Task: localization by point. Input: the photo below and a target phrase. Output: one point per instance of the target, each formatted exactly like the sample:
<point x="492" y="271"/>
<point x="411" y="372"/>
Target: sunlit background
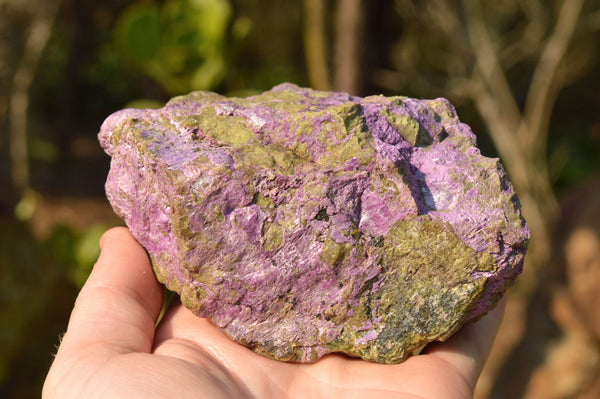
<point x="523" y="73"/>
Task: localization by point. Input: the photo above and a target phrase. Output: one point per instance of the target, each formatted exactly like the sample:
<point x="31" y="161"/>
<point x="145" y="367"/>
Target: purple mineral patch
<point x="304" y="222"/>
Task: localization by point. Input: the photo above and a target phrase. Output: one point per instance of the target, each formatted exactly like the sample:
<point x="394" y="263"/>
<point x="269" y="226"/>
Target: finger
<point x="467" y="350"/>
<point x="118" y="306"/>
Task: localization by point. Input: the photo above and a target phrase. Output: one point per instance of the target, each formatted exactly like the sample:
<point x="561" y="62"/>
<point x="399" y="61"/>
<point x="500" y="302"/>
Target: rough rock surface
<point x="304" y="222"/>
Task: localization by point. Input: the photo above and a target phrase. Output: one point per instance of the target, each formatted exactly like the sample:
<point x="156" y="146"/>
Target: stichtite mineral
<point x="304" y="222"/>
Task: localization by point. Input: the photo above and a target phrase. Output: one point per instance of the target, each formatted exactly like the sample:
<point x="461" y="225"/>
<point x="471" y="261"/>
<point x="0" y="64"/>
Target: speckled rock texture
<point x="304" y="222"/>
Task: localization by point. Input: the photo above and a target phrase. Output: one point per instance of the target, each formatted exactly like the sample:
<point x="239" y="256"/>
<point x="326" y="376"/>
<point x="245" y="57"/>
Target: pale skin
<point x="112" y="350"/>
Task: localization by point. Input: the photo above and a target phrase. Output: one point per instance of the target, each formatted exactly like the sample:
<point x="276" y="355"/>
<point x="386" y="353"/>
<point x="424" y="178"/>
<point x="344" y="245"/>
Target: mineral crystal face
<point x="304" y="222"/>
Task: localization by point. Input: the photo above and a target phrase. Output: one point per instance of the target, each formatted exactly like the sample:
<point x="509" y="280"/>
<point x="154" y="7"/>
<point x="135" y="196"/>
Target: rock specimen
<point x="304" y="222"/>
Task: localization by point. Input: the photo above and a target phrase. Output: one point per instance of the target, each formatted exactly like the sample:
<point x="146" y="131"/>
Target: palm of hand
<point x="111" y="349"/>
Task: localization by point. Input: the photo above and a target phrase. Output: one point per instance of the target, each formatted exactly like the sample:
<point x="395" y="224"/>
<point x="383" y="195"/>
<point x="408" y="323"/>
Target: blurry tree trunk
<point x="348" y="46"/>
<point x="315" y="44"/>
<point x="347" y="43"/>
<point x="37" y="38"/>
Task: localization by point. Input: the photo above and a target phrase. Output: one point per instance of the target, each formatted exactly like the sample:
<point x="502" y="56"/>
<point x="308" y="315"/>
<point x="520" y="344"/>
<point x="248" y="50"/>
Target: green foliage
<point x="35" y="302"/>
<point x="27" y="278"/>
<point x="76" y="252"/>
<point x="137" y="33"/>
<point x="26" y="206"/>
<point x="87" y="251"/>
<point x="180" y="44"/>
<point x="573" y="158"/>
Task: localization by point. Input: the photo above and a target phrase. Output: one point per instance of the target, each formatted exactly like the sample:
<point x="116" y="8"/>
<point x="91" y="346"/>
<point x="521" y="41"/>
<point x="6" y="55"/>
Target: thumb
<point x="118" y="306"/>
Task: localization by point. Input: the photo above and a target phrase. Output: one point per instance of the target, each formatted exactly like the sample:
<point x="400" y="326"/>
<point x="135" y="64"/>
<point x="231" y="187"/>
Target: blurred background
<point x="523" y="73"/>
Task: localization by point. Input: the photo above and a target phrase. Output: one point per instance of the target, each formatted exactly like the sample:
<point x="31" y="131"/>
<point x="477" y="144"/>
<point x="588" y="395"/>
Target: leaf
<point x="137" y="32"/>
<point x="178" y="43"/>
<point x="87" y="252"/>
<point x="208" y="74"/>
<point x="213" y="18"/>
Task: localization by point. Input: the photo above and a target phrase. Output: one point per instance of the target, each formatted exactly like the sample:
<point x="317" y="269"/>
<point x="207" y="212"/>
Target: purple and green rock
<point x="303" y="222"/>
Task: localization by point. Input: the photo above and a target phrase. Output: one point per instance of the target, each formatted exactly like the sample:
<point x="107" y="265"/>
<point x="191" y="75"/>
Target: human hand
<point x="112" y="350"/>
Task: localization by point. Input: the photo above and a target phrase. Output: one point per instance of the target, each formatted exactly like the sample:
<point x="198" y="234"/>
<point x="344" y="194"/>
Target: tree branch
<point x="490" y="70"/>
<point x="545" y="86"/>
